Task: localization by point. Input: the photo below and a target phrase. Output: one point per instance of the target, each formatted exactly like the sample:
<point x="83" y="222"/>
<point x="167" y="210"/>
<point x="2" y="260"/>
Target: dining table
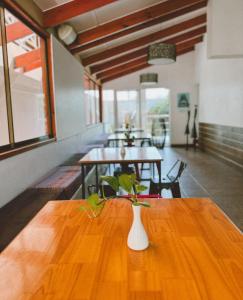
<point x="113" y="155"/>
<point x="137" y="136"/>
<point x="123" y="129"/>
<point x="195" y="252"/>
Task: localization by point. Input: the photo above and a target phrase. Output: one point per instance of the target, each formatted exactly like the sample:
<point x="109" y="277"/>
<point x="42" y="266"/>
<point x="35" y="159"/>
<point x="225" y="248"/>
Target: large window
<point x="109" y="110"/>
<point x="92" y="101"/>
<point x="120" y="107"/>
<point x="155" y="109"/>
<point x="24" y="96"/>
<point x="127" y="107"/>
<point x="146" y="108"/>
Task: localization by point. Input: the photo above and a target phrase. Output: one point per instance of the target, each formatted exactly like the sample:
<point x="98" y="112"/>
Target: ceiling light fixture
<point x="161" y="54"/>
<point x="149" y="79"/>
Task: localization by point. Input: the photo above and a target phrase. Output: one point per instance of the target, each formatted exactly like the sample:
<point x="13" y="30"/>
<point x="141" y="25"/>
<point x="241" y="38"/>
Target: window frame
<point x="13" y="147"/>
<point x="98" y="88"/>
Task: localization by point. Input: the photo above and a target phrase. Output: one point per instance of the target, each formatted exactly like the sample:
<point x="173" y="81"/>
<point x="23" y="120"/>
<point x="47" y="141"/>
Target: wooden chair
<point x="172" y="183"/>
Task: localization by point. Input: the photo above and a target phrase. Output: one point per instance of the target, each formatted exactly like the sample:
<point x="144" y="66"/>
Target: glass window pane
<point x="155" y="107"/>
<point x="28" y="80"/>
<point x="128" y="107"/>
<point x="4" y="137"/>
<point x="97" y="103"/>
<point x="108" y="110"/>
<point x="91" y="100"/>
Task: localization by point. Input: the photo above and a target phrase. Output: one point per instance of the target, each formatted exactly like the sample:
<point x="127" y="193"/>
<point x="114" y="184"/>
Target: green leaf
<point x="112" y="181"/>
<point x="93" y="200"/>
<point x="140" y="188"/>
<point x="133" y="178"/>
<point x="126" y="182"/>
<point x="146" y="204"/>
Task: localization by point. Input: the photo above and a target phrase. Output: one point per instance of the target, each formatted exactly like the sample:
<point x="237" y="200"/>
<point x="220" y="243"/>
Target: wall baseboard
<point x="180" y="145"/>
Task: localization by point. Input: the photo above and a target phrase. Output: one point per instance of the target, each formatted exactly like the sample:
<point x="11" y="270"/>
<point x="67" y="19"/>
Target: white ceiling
<point x="113" y="11"/>
<point x="142" y="33"/>
<point x="47" y="4"/>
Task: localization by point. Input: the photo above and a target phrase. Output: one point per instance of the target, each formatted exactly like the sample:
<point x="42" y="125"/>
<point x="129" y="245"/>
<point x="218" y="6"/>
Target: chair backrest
<point x="108" y="191"/>
<point x="181" y="168"/>
<point x="156" y="188"/>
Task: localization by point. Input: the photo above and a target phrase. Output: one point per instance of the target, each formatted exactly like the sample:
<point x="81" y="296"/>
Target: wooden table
<point x="196" y="253"/>
<point x="134" y="155"/>
<point x="139" y="136"/>
<point x="122" y="130"/>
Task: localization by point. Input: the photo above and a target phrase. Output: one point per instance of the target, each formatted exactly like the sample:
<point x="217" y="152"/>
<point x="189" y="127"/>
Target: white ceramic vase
<point x="137" y="237"/>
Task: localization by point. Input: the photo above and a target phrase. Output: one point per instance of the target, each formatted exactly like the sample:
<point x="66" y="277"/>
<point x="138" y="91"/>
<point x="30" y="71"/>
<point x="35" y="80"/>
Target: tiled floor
<point x="207" y="176"/>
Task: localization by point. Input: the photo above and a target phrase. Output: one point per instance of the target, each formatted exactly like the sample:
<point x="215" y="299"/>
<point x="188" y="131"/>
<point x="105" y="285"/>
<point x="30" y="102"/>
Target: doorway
<point x="155" y="113"/>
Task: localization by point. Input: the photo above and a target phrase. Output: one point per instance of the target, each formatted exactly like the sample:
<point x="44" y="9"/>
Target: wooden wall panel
<point x="224" y="142"/>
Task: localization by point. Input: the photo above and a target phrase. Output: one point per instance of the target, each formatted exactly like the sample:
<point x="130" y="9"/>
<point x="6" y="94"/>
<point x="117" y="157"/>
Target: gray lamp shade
<point x="149" y="78"/>
<point x="161" y="54"/>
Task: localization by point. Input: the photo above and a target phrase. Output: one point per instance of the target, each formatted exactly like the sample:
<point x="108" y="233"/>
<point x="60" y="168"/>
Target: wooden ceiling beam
<point x="62" y="13"/>
<point x="142" y="60"/>
<point x="32" y="66"/>
<point x="76" y="47"/>
<point x="138" y="68"/>
<point x="127" y="66"/>
<point x="143" y="51"/>
<point x="27" y="58"/>
<point x="17" y="31"/>
<point x="148" y="39"/>
<point x="135" y="18"/>
<point x="126" y="72"/>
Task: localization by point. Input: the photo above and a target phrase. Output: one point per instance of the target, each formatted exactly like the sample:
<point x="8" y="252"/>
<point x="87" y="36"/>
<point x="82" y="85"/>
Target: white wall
<point x="19" y="172"/>
<point x="221" y="88"/>
<point x="178" y="78"/>
<point x="225" y="23"/>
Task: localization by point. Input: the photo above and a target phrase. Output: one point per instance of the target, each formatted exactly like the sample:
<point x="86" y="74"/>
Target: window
<point x="24" y="99"/>
<point x="155" y="107"/>
<point x="109" y="110"/>
<point x="128" y="107"/>
<point x="4" y="137"/>
<point x="92" y="101"/>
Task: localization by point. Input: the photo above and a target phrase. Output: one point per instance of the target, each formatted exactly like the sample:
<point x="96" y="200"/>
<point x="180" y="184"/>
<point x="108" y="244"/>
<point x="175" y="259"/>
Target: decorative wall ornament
<point x="194" y="134"/>
<point x="183" y="101"/>
<point x="149" y="79"/>
<point x="187" y="130"/>
<point x="161" y="54"/>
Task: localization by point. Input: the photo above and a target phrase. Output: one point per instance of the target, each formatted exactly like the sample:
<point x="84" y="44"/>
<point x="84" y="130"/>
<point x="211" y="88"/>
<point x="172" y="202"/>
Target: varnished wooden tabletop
<point x="136" y="136"/>
<point x="195" y="253"/>
<point x="113" y="155"/>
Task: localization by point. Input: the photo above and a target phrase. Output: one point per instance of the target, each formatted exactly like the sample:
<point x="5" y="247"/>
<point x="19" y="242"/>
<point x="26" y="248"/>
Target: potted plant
<point x="137" y="237"/>
<point x="129" y="139"/>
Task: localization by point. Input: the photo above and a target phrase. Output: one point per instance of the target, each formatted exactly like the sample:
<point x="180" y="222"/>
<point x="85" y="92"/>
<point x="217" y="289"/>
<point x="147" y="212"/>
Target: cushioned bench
<point x="65" y="181"/>
<point x="59" y="185"/>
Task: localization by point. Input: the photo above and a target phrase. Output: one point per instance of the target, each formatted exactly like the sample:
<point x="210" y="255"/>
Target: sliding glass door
<point x="146" y="108"/>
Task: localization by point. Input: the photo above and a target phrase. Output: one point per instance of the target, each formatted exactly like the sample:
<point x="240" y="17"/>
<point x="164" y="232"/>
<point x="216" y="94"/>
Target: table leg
<point x="158" y="164"/>
<point x="97" y="178"/>
<point x="83" y="181"/>
<point x="137" y="171"/>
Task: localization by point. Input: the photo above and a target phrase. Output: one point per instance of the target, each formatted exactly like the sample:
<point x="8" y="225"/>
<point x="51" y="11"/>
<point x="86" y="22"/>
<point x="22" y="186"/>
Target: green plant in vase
<point x="137" y="237"/>
<point x="129" y="139"/>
